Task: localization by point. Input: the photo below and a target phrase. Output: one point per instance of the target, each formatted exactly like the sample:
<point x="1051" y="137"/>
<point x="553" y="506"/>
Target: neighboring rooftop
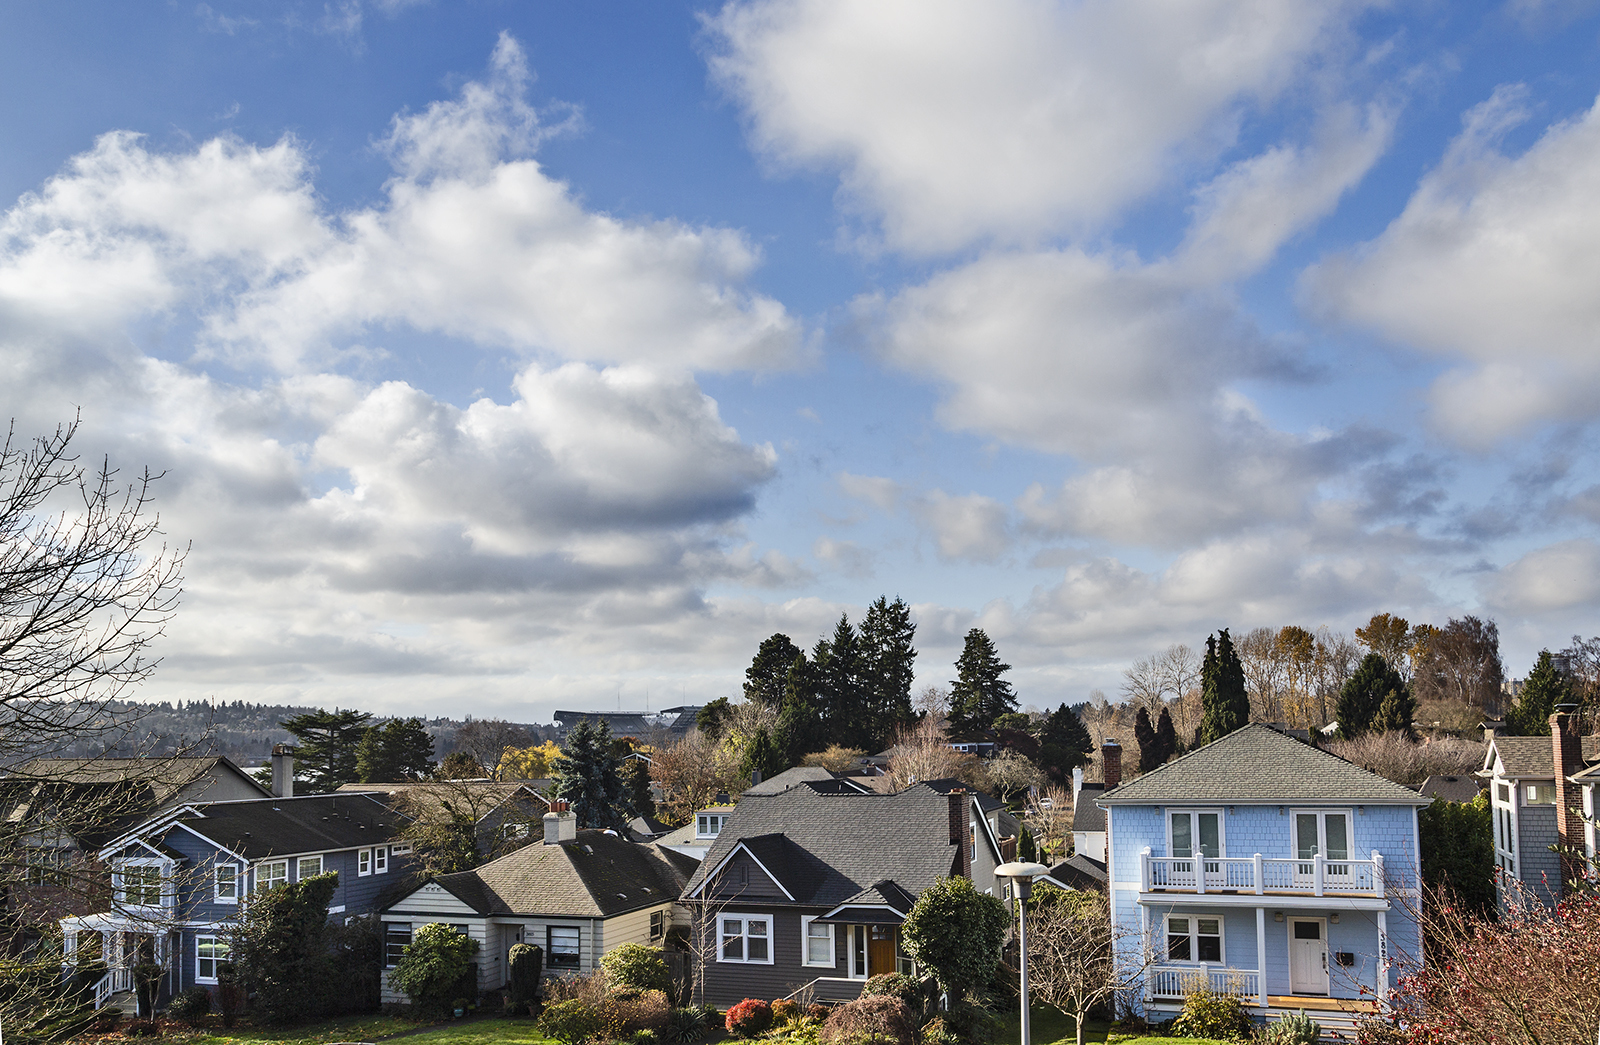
<point x="1525" y="757"/>
<point x="1086" y="815"/>
<point x="430" y="796"/>
<point x="596" y="875"/>
<point x="1257" y="763"/>
<point x="164" y="777"/>
<point x="287" y="826"/>
<point x="1450" y="788"/>
<point x="1080" y="872"/>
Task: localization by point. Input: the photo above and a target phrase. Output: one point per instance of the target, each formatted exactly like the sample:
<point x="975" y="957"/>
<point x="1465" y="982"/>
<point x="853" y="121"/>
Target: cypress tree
<point x="1544" y="688"/>
<point x="1223" y="696"/>
<point x="1166" y="738"/>
<point x="1064" y="744"/>
<point x="1144" y="734"/>
<point x="589" y="775"/>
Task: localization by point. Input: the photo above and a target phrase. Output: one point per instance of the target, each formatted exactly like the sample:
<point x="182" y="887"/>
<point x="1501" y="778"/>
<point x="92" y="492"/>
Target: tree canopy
<point x="957" y="932"/>
<point x="589" y="775"/>
<point x="398" y="750"/>
<point x="1375" y="698"/>
<point x="1224" y="701"/>
<point x="1544" y="688"/>
<point x="328" y="743"/>
<point x="979" y="694"/>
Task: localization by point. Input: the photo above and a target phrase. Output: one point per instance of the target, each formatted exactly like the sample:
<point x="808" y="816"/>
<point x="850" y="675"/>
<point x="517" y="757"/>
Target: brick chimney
<point x="1567" y="747"/>
<point x="1111" y="763"/>
<point x="961" y="830"/>
<point x="560" y="825"/>
<point x="283" y="770"/>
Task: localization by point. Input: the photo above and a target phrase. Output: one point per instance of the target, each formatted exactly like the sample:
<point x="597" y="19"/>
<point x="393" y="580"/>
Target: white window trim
<point x="744" y="934"/>
<point x="163" y="869"/>
<point x="387" y="926"/>
<point x="1194" y="937"/>
<point x="380" y="860"/>
<point x="703" y="820"/>
<point x="363" y="863"/>
<point x="400" y="848"/>
<point x="1321" y="813"/>
<point x="805" y="944"/>
<point x="216" y="882"/>
<point x="1222" y="830"/>
<point x="264" y="864"/>
<point x="549" y="940"/>
<point x="198" y="940"/>
<point x="300" y="876"/>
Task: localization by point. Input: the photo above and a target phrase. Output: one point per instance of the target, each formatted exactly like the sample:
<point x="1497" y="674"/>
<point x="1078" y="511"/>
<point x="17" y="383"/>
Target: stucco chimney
<point x="961" y="830"/>
<point x="1111" y="762"/>
<point x="1567" y="748"/>
<point x="283" y="770"/>
<point x="560" y="825"/>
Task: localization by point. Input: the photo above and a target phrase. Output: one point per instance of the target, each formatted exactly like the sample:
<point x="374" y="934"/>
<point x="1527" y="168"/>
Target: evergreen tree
<point x="1144" y="734"/>
<point x="800" y="729"/>
<point x="763" y="756"/>
<point x="768" y="673"/>
<point x="978" y="695"/>
<point x="374" y="763"/>
<point x="1394" y="715"/>
<point x="1166" y="738"/>
<point x="1027" y="849"/>
<point x="1225" y="703"/>
<point x="841" y="691"/>
<point x="1544" y="688"/>
<point x="327" y="742"/>
<point x="888" y="658"/>
<point x="399" y="750"/>
<point x="713" y="717"/>
<point x="636" y="784"/>
<point x="1362" y="699"/>
<point x="589" y="775"/>
<point x="1064" y="744"/>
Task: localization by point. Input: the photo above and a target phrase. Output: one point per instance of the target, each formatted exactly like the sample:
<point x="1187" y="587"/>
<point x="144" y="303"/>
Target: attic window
<point x="709" y="825"/>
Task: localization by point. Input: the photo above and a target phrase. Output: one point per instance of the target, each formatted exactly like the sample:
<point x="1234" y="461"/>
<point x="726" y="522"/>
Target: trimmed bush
<point x="818" y="1011"/>
<point x="192" y="1006"/>
<point x="785" y="1010"/>
<point x="527" y="968"/>
<point x="749" y="1018"/>
<point x="871" y="1020"/>
<point x="571" y="1021"/>
<point x="1208" y="1014"/>
<point x="637" y="967"/>
<point x="1298" y="1029"/>
<point x="895" y="985"/>
<point x="432" y="967"/>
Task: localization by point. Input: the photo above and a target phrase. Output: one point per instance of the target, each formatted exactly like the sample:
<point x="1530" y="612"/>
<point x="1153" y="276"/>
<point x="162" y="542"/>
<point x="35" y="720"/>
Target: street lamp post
<point x="1023" y="874"/>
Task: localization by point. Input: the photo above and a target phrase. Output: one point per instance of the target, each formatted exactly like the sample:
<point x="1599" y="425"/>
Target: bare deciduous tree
<point x="486" y="740"/>
<point x="1078" y="958"/>
<point x="691" y="773"/>
<point x="921" y="752"/>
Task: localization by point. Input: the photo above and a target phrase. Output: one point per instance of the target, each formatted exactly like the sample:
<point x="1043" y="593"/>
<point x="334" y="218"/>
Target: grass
<point x="494" y="1031"/>
<point x="1053" y="1027"/>
<point x="366" y="1027"/>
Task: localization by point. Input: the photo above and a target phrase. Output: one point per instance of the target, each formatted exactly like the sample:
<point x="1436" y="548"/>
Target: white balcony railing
<point x="1318" y="876"/>
<point x="1176" y="981"/>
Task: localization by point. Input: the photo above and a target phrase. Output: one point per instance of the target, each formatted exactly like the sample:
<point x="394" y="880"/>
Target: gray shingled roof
<point x="1534" y="757"/>
<point x="1086" y="815"/>
<point x="1450" y="788"/>
<point x="833" y="847"/>
<point x="317" y="823"/>
<point x="1259" y="764"/>
<point x="790" y="778"/>
<point x="1080" y="872"/>
<point x="594" y="876"/>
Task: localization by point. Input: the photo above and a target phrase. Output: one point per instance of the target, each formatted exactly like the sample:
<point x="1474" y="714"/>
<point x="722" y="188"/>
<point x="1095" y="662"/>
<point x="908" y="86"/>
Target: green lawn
<point x="496" y="1031"/>
<point x="1051" y="1027"/>
<point x="368" y="1027"/>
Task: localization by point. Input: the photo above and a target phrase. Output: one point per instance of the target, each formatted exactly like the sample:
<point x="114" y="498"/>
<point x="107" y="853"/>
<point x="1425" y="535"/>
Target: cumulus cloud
<point x="1010" y="120"/>
<point x="1492" y="265"/>
<point x="1558" y="577"/>
<point x="877" y="490"/>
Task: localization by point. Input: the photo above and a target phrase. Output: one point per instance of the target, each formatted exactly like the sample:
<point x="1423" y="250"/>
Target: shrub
<point x="785" y="1010"/>
<point x="818" y="1011"/>
<point x="871" y="1019"/>
<point x="142" y="1029"/>
<point x="638" y="967"/>
<point x="1299" y="1029"/>
<point x="957" y="932"/>
<point x="192" y="1006"/>
<point x="231" y="995"/>
<point x="895" y="985"/>
<point x="527" y="968"/>
<point x="647" y="1010"/>
<point x="571" y="1021"/>
<point x="431" y="968"/>
<point x="1208" y="1014"/>
<point x="934" y="1032"/>
<point x="690" y="1024"/>
<point x="749" y="1018"/>
<point x="643" y="1037"/>
<point x="970" y="1022"/>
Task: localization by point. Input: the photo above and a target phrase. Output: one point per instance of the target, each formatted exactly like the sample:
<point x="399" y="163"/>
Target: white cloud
<point x="1559" y="577"/>
<point x="848" y="557"/>
<point x="877" y="490"/>
<point x="970" y="526"/>
<point x="1015" y="119"/>
<point x="1493" y="264"/>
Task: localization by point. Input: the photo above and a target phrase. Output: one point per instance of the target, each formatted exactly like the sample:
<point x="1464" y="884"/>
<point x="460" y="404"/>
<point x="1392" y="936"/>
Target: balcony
<point x="1260" y="876"/>
<point x="1176" y="981"/>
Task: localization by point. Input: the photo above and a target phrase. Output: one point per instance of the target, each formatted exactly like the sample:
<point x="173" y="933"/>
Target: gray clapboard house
<point x="1523" y="774"/>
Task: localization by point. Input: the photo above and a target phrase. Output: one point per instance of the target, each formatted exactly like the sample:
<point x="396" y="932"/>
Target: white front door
<point x="1308" y="956"/>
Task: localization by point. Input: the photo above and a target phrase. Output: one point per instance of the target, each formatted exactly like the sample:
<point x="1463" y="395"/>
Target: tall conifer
<point x="1223" y="697"/>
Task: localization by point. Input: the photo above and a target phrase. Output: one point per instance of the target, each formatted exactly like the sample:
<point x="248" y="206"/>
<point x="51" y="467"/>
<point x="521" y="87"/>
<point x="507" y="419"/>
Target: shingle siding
<point x="1538" y="865"/>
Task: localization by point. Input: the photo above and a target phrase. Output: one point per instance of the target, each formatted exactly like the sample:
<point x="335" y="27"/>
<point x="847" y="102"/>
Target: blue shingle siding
<point x="1538" y="866"/>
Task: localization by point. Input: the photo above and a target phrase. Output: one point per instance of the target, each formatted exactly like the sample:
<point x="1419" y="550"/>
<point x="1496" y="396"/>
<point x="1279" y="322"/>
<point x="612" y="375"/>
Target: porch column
<point x="69" y="950"/>
<point x="1383" y="960"/>
<point x="1261" y="955"/>
<point x="1145" y="951"/>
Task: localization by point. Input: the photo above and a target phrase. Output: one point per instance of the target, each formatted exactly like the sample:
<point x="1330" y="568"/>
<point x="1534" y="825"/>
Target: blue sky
<point x="511" y="356"/>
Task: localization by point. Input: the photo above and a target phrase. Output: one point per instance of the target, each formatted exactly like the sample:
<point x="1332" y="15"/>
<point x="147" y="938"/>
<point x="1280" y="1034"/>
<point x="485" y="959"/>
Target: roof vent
<point x="588" y="849"/>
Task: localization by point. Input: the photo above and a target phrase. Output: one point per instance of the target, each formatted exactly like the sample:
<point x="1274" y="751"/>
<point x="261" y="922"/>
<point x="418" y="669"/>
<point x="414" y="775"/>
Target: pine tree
<point x="800" y="729"/>
<point x="636" y="783"/>
<point x="1225" y="702"/>
<point x="327" y="742"/>
<point x="1144" y="735"/>
<point x="888" y="659"/>
<point x="1166" y="738"/>
<point x="712" y="718"/>
<point x="1361" y="707"/>
<point x="762" y="756"/>
<point x="841" y="691"/>
<point x="589" y="775"/>
<point x="1064" y="744"/>
<point x="1544" y="688"/>
<point x="978" y="695"/>
<point x="767" y="674"/>
<point x="399" y="750"/>
<point x="374" y="763"/>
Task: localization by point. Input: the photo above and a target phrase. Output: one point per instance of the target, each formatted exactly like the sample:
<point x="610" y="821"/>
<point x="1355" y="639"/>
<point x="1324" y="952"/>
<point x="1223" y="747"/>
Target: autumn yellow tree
<point x="534" y="762"/>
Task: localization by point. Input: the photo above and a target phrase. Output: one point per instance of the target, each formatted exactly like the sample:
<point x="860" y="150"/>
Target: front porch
<point x="122" y="945"/>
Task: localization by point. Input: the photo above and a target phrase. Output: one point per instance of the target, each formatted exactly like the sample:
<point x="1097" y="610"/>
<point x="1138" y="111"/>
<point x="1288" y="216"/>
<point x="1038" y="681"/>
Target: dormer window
<point x="709" y="825"/>
<point x="139" y="884"/>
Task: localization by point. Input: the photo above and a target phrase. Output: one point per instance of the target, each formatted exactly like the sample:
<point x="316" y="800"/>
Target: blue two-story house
<point x="1266" y="868"/>
<point x="179" y="880"/>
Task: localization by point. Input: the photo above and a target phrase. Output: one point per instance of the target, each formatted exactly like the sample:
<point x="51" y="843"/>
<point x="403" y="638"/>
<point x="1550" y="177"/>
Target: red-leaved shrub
<point x="749" y="1018"/>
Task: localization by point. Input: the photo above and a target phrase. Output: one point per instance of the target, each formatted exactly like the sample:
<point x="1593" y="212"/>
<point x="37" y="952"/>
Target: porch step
<point x="124" y="1001"/>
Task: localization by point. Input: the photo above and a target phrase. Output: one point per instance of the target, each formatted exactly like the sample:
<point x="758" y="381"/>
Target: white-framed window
<point x="817" y="939"/>
<point x="1195" y="832"/>
<point x="1194" y="938"/>
<point x="564" y="947"/>
<point x="138" y="883"/>
<point x="1324" y="831"/>
<point x="396" y="938"/>
<point x="307" y="867"/>
<point x="270" y="873"/>
<point x="1540" y="795"/>
<point x="709" y="825"/>
<point x="47" y="866"/>
<point x="364" y="862"/>
<point x="209" y="952"/>
<point x="401" y="849"/>
<point x="227" y="883"/>
<point x="658" y="924"/>
<point x="380" y="860"/>
<point x="746" y="938"/>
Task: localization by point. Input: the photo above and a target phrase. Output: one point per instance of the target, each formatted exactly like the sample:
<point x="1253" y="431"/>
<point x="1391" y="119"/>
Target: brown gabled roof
<point x="596" y="875"/>
<point x="1525" y="757"/>
<point x="422" y="798"/>
<point x="164" y="777"/>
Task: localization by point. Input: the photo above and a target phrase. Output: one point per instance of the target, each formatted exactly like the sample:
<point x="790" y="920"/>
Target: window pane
<point x="227" y="882"/>
<point x="565" y="944"/>
<point x="1178" y="925"/>
<point x="1209" y="835"/>
<point x="309" y="865"/>
<point x="396" y="939"/>
<point x="758" y="928"/>
<point x="1209" y="927"/>
<point x="1335" y="828"/>
<point x="1305" y="835"/>
<point x="819" y="937"/>
<point x="1182" y="841"/>
<point x="1210" y="948"/>
<point x="733" y="948"/>
<point x="1308" y="930"/>
<point x="758" y="946"/>
<point x="1178" y="947"/>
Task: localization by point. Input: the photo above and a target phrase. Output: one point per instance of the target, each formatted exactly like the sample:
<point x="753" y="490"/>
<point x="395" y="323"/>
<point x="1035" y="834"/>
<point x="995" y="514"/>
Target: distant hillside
<point x="243" y="732"/>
